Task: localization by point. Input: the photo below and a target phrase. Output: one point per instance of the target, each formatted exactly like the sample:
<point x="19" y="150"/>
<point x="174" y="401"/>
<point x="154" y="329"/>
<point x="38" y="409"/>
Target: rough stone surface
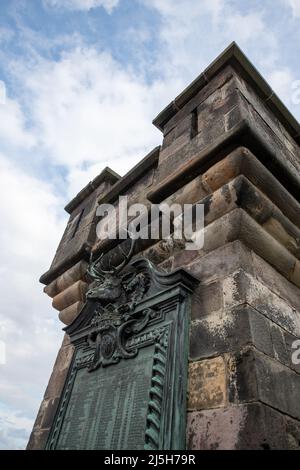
<point x="46" y="413"/>
<point x="207" y="300"/>
<point x="243" y="288"/>
<point x="242" y="427"/>
<point x="71" y="295"/>
<point x="257" y="377"/>
<point x="217" y="334"/>
<point x="68" y="315"/>
<point x="207" y="384"/>
<point x="75" y="273"/>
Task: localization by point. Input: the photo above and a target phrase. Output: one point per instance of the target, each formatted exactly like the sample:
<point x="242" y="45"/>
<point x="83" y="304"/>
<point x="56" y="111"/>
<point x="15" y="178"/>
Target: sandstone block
<point x="260" y="378"/>
<point x="74" y="293"/>
<point x="68" y="315"/>
<point x="217" y="334"/>
<point x="252" y="426"/>
<point x="241" y="287"/>
<point x="207" y="384"/>
<point x="69" y="277"/>
<point x="207" y="299"/>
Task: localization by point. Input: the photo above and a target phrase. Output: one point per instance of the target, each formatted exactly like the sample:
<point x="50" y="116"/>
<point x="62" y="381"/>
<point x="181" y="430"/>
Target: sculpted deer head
<point x="108" y="283"/>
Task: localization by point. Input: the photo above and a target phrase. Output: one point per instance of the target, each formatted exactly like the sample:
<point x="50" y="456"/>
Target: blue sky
<point x="81" y="81"/>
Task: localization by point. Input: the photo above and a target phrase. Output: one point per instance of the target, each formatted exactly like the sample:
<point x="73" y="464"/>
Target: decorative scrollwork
<point x="115" y="296"/>
<point x="111" y="333"/>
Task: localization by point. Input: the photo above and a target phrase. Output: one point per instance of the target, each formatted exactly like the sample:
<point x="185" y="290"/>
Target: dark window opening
<point x="77" y="222"/>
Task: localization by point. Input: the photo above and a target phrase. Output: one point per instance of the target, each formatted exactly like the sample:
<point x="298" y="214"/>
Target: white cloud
<point x="85" y="110"/>
<point x="30" y="231"/>
<point x="108" y="5"/>
<point x="88" y="112"/>
<point x="281" y="80"/>
<point x="13" y="126"/>
<point x="14" y="429"/>
<point x="2" y="93"/>
<point x="193" y="33"/>
<point x="246" y="26"/>
<point x="30" y="206"/>
<point x="295" y="5"/>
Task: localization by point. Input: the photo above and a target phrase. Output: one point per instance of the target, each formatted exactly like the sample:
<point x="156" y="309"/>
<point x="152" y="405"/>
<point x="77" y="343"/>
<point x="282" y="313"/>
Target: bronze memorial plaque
<point x="108" y="408"/>
<point x="126" y="387"/>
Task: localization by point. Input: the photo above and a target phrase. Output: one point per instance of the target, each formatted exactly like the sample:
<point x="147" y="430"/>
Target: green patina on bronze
<point x="126" y="388"/>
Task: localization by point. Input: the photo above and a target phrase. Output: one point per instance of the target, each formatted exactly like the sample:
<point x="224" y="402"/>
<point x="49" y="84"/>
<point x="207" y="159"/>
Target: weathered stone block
<point x="51" y="398"/>
<point x="49" y="412"/>
<point x="207" y="384"/>
<point x="215" y="429"/>
<point x="190" y="193"/>
<point x="260" y="378"/>
<point x="265" y="245"/>
<point x="68" y="315"/>
<point x="242" y="161"/>
<point x="71" y="295"/>
<point x="185" y="257"/>
<point x="295" y="275"/>
<point x="285" y="233"/>
<point x="220" y="262"/>
<point x="292" y="432"/>
<point x="241" y="193"/>
<point x="264" y="116"/>
<point x="230" y="331"/>
<point x="207" y="299"/>
<point x="243" y="288"/>
<point x="280" y="352"/>
<point x="38" y="439"/>
<point x="212" y="123"/>
<point x="75" y="273"/>
<point x="274" y="280"/>
<point x="59" y="372"/>
<point x="237" y="224"/>
<point x="251" y="426"/>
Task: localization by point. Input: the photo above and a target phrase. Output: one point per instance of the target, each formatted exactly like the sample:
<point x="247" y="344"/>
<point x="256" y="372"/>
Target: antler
<point x="93" y="270"/>
<point x="97" y="272"/>
<point x="127" y="257"/>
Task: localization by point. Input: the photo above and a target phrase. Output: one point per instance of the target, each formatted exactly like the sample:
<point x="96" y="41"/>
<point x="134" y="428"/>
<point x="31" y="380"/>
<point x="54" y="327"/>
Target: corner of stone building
<point x="228" y="147"/>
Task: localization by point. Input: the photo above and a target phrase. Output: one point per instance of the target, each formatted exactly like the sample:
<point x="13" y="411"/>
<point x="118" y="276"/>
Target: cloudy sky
<point x="81" y="81"/>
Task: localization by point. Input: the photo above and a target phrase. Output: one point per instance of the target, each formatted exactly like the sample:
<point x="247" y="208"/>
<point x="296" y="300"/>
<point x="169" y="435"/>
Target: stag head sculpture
<point x="107" y="286"/>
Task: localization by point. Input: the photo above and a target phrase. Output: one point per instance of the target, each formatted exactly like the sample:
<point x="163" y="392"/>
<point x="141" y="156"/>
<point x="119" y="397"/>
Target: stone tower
<point x="230" y="144"/>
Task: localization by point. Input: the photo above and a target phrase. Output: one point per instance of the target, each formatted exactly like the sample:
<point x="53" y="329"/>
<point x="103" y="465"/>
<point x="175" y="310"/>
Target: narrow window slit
<point x="77" y="222"/>
<point x="194" y="123"/>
